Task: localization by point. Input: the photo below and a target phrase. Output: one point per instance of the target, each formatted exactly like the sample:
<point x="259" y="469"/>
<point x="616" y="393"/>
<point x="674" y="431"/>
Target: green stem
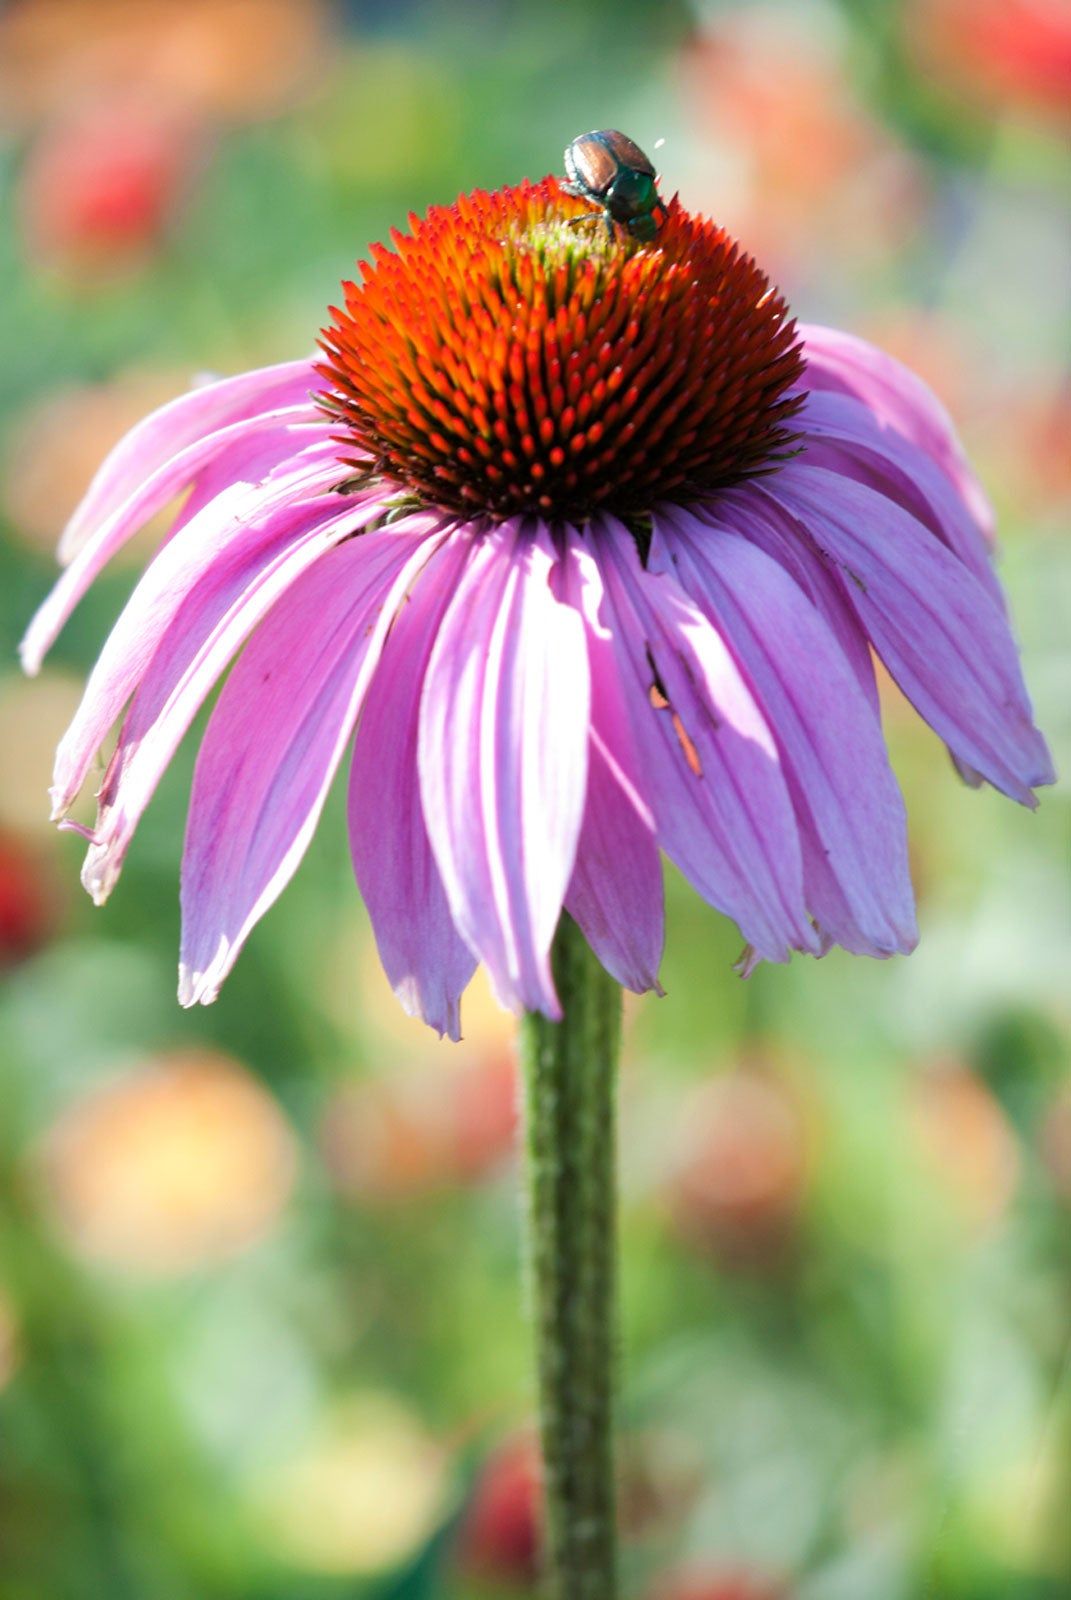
<point x="570" y="1072"/>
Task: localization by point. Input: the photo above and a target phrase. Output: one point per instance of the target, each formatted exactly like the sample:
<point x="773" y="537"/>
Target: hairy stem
<point x="570" y="1080"/>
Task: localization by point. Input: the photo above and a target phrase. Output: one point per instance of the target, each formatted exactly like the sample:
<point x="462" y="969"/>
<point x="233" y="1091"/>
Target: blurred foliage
<point x="260" y="1328"/>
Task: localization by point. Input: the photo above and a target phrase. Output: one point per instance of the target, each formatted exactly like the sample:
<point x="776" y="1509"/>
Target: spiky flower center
<point x="499" y="360"/>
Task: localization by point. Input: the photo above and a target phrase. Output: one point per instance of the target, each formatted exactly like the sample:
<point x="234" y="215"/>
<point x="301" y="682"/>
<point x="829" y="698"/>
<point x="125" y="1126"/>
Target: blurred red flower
<point x="101" y="186"/>
<point x="121" y="112"/>
<point x="1004" y="53"/>
<point x="29" y="900"/>
<point x="499" y="1539"/>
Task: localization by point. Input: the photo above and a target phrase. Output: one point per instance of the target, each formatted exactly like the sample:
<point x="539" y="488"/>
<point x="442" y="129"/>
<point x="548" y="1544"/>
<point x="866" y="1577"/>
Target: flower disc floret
<point x="500" y="359"/>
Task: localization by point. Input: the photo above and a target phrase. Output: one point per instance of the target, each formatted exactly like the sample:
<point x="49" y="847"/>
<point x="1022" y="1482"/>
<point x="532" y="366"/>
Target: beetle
<point x="612" y="171"/>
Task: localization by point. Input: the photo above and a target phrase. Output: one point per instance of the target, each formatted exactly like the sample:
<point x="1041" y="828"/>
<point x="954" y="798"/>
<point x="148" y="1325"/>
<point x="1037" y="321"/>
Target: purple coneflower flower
<point x="584" y="547"/>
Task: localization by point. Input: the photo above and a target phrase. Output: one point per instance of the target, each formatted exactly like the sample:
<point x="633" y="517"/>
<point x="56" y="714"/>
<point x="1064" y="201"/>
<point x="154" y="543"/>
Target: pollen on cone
<point x="502" y="360"/>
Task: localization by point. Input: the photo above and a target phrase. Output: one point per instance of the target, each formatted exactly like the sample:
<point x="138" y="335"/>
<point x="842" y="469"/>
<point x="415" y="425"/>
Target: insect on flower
<point x="609" y="169"/>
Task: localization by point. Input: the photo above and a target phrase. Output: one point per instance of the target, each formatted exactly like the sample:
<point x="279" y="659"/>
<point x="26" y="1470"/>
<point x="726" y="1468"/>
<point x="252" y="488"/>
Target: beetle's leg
<point x="583" y="221"/>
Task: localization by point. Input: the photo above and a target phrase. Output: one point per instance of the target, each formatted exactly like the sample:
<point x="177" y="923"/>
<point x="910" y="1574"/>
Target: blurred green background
<point x="261" y="1333"/>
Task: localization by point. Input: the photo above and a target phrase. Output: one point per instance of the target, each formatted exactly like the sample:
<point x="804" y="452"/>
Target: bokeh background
<point x="261" y="1336"/>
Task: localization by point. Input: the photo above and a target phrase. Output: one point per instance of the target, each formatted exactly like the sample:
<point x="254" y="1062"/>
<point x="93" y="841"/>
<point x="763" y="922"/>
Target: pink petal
<point x="201" y="411"/>
<point x="938" y="631"/>
<point x="252" y="456"/>
<point x="240" y="533"/>
<point x="756" y="518"/>
<point x="852" y="821"/>
<point x="897" y="398"/>
<point x="503" y="758"/>
<point x="721" y="805"/>
<point x="274" y="741"/>
<point x="423" y="955"/>
<point x="219" y="613"/>
<point x="284" y="439"/>
<point x="615" y="895"/>
<point x="845" y="437"/>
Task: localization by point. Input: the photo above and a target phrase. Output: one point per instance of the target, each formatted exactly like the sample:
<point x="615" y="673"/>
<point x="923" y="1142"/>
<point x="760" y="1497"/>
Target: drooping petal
<point x="275" y="739"/>
<point x="843" y="435"/>
<point x="503" y="758"/>
<point x="283" y="438"/>
<point x="756" y="518"/>
<point x="721" y="804"/>
<point x="937" y="630"/>
<point x="231" y="543"/>
<point x="218" y="614"/>
<point x="898" y="398"/>
<point x="425" y="958"/>
<point x="253" y="455"/>
<point x="852" y="822"/>
<point x="615" y="895"/>
<point x="169" y="429"/>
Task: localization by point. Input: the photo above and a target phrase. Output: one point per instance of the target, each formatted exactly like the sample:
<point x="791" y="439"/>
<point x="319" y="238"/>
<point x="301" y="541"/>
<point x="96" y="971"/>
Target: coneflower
<point x="582" y="546"/>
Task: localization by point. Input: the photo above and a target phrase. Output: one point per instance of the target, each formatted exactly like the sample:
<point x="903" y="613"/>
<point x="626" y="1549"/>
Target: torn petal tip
<point x="194" y="990"/>
<point x="747" y="961"/>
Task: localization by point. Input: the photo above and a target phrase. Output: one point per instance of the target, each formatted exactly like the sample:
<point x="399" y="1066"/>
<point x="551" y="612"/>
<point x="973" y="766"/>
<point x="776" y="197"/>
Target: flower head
<point x="583" y="546"/>
<point x="499" y="361"/>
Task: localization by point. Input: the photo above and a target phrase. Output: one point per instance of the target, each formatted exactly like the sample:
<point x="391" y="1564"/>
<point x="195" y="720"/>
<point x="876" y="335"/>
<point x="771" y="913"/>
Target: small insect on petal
<point x="691" y="754"/>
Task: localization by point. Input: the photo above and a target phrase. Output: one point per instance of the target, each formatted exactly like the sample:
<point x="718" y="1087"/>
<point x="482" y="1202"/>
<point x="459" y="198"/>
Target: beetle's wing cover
<point x="626" y="151"/>
<point x="590" y="161"/>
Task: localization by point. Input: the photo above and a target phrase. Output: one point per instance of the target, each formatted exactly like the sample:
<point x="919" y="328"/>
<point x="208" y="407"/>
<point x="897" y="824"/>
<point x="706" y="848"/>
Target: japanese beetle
<point x="607" y="168"/>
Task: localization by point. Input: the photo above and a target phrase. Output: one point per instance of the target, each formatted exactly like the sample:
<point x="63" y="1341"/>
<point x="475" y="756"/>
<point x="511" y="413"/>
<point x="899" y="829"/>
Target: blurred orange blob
<point x="60" y="441"/>
<point x="183" y="1162"/>
<point x="741" y="1176"/>
<point x="102" y="184"/>
<point x="717" y="1584"/>
<point x="964" y="1134"/>
<point x="1036" y="446"/>
<point x="1014" y="53"/>
<point x="30" y="900"/>
<point x="226" y="59"/>
<point x="499" y="1538"/>
<point x="769" y="87"/>
<point x="414" y="1132"/>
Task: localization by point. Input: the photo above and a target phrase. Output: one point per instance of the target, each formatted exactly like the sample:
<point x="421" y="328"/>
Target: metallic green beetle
<point x="609" y="169"/>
